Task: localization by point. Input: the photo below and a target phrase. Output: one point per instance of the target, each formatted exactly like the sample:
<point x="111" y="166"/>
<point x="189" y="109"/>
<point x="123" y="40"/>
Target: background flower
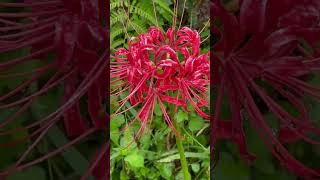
<point x="263" y="67"/>
<point x="53" y="76"/>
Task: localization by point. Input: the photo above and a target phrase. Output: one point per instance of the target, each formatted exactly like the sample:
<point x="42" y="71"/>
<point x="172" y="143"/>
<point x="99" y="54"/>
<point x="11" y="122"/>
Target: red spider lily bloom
<point x="152" y="72"/>
<point x="73" y="31"/>
<point x="262" y="43"/>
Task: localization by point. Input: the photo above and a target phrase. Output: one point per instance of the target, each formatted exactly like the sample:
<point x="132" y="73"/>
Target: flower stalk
<point x="183" y="160"/>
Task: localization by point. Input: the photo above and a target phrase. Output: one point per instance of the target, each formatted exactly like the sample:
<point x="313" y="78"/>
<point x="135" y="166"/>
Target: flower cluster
<point x="162" y="67"/>
<point x="259" y="58"/>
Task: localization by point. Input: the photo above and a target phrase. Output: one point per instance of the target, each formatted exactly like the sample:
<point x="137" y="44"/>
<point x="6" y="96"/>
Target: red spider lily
<point x="262" y="43"/>
<point x="73" y="31"/>
<point x="152" y="72"/>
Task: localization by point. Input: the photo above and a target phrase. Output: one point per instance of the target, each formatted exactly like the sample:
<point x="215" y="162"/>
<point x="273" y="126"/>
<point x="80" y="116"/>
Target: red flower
<point x="262" y="43"/>
<point x="152" y="72"/>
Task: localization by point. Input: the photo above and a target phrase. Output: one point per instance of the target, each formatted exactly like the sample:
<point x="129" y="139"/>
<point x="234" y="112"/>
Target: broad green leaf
<point x="181" y="116"/>
<point x="115" y="135"/>
<point x="195" y="167"/>
<point x="117" y="121"/>
<point x="166" y="170"/>
<point x="196" y="123"/>
<point x="179" y="176"/>
<point x="135" y="160"/>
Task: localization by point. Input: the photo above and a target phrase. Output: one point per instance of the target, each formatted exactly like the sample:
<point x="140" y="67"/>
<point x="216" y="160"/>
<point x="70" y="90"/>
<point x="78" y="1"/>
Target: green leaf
<point x="72" y="156"/>
<point x="166" y="170"/>
<point x="228" y="168"/>
<point x="157" y="110"/>
<point x="145" y="141"/>
<point x="117" y="121"/>
<point x="127" y="138"/>
<point x="255" y="144"/>
<point x="123" y="175"/>
<point x="181" y="116"/>
<point x="264" y="165"/>
<point x="179" y="176"/>
<point x="171" y="158"/>
<point x="165" y="6"/>
<point x="195" y="167"/>
<point x="135" y="160"/>
<point x="34" y="173"/>
<point x="196" y="123"/>
<point x="128" y="105"/>
<point x="114" y="135"/>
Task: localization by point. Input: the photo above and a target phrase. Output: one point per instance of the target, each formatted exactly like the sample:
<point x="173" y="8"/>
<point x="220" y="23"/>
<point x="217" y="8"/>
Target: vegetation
<point x="156" y="154"/>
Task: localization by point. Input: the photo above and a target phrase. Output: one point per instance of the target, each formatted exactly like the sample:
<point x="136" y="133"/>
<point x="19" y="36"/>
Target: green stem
<point x="183" y="160"/>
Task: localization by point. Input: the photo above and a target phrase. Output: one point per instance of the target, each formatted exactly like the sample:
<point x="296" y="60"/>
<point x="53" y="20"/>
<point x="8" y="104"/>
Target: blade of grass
<point x="73" y="157"/>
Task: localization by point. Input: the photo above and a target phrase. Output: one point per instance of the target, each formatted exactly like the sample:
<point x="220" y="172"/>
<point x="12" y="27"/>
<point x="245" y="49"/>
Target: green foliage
<point x="135" y="159"/>
<point x="181" y="116"/>
<point x="134" y="17"/>
<point x="154" y="156"/>
<point x="196" y="123"/>
<point x="129" y="18"/>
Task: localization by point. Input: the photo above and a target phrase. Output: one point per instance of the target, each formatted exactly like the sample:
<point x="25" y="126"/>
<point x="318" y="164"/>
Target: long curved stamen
<point x="184" y="7"/>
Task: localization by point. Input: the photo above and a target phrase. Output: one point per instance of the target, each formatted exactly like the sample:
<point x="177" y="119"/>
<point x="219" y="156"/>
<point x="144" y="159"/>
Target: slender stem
<point x="183" y="160"/>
